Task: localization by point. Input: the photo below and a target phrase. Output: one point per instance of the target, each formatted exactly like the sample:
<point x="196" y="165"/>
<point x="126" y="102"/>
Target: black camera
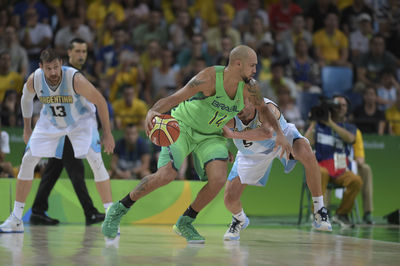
<point x="321" y="111"/>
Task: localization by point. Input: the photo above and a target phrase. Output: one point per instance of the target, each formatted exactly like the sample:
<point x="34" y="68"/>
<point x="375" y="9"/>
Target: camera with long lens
<point x="321" y="112"/>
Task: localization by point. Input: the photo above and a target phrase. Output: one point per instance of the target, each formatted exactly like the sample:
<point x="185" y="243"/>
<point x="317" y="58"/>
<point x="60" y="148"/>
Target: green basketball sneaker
<point x="113" y="218"/>
<point x="184" y="227"/>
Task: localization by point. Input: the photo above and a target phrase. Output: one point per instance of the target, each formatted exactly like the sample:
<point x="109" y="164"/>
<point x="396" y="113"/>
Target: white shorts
<point x="254" y="169"/>
<point x="47" y="140"/>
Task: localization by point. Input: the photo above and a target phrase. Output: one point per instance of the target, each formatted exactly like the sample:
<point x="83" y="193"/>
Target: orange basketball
<point x="165" y="130"/>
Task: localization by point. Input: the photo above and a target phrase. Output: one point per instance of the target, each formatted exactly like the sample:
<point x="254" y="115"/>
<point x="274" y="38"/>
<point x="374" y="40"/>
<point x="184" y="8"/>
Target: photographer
<point x="332" y="138"/>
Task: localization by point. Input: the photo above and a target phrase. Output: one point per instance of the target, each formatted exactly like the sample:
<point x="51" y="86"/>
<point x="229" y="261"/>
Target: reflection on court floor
<point x="158" y="245"/>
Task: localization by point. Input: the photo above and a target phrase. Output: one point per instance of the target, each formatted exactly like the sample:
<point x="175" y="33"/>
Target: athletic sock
<point x="318" y="203"/>
<point x="241" y="216"/>
<point x="190" y="212"/>
<point x="106" y="205"/>
<point x="18" y="209"/>
<point x="127" y="201"/>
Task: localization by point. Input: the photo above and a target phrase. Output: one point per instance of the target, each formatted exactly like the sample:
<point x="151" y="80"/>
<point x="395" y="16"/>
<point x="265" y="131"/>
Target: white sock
<point x="318" y="203"/>
<point x="241" y="216"/>
<point x="106" y="205"/>
<point x="18" y="209"/>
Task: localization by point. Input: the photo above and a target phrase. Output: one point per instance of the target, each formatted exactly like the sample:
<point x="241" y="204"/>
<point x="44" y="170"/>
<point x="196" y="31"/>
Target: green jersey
<point x="208" y="115"/>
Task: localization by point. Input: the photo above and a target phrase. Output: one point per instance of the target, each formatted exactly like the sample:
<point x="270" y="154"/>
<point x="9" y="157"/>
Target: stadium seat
<point x="305" y="101"/>
<point x="336" y="80"/>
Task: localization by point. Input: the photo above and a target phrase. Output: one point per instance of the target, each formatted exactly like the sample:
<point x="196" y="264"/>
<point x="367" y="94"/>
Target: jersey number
<point x="58" y="111"/>
<point x="217" y="121"/>
<point x="247" y="144"/>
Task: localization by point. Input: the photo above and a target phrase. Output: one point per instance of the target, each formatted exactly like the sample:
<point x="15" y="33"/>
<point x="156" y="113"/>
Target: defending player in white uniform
<point x="253" y="162"/>
<point x="68" y="109"/>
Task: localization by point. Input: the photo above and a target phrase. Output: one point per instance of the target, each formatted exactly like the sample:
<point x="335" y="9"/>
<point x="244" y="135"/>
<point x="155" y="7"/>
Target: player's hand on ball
<point x="149" y="121"/>
<point x="108" y="143"/>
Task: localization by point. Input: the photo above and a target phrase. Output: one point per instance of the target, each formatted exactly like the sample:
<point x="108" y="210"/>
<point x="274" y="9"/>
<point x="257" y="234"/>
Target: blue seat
<point x="305" y="101"/>
<point x="336" y="80"/>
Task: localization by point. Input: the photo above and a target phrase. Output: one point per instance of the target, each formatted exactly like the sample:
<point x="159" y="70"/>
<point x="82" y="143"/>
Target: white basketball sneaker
<point x="12" y="225"/>
<point x="321" y="220"/>
<point x="233" y="232"/>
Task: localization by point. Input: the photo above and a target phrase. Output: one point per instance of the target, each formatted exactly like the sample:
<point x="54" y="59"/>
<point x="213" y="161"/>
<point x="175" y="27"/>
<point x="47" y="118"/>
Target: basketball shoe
<point x="233" y="232"/>
<point x="321" y="220"/>
<point x="12" y="225"/>
<point x="110" y="226"/>
<point x="184" y="227"/>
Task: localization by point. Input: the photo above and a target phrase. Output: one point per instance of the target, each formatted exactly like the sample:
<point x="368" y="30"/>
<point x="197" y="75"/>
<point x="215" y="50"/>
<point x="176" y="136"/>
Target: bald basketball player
<point x="202" y="107"/>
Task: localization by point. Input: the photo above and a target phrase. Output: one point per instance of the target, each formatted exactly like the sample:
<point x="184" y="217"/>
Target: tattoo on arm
<point x="255" y="96"/>
<point x="194" y="82"/>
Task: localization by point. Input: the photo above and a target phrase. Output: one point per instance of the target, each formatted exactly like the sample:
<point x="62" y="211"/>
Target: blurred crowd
<point x="141" y="50"/>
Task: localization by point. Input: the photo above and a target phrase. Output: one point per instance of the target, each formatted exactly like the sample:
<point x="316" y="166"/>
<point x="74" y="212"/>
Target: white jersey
<point x="62" y="106"/>
<point x="252" y="147"/>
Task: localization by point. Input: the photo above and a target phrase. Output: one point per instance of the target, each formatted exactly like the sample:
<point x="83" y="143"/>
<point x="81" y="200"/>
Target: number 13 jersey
<point x="62" y="106"/>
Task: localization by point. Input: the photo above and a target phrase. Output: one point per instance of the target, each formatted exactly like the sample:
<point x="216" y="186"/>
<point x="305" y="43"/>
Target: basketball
<point x="165" y="130"/>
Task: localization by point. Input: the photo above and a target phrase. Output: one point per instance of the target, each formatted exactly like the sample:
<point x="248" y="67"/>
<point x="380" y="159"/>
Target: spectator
<point x="127" y="72"/>
<point x="289" y="109"/>
<point x="35" y="36"/>
<point x="270" y="88"/>
<point x="9" y="80"/>
<point x="172" y="9"/>
<point x="19" y="56"/>
<point x="74" y="29"/>
<point x="281" y="14"/>
<point x="364" y="170"/>
<point x="333" y="156"/>
<point x="351" y="16"/>
<point x="360" y="38"/>
<point x="6" y="168"/>
<point x="372" y="63"/>
<point x="255" y="34"/>
<point x="244" y="17"/>
<point x="68" y="9"/>
<point x="393" y="117"/>
<point x="290" y="37"/>
<point x="222" y="58"/>
<point x="209" y="12"/>
<point x="151" y="57"/>
<point x="104" y="34"/>
<point x="367" y="117"/>
<point x="331" y="45"/>
<point x="387" y="91"/>
<point x="108" y="56"/>
<point x="152" y="30"/>
<point x="41" y="9"/>
<point x="214" y="35"/>
<point x="129" y="110"/>
<point x="135" y="12"/>
<point x="198" y="48"/>
<point x="265" y="58"/>
<point x="164" y="80"/>
<point x="10" y="110"/>
<point x="304" y="70"/>
<point x="131" y="158"/>
<point x="180" y="32"/>
<point x="388" y="16"/>
<point x="317" y="13"/>
<point x="98" y="10"/>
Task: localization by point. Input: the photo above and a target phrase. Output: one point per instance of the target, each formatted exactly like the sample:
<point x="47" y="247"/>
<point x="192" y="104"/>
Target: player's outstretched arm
<point x="203" y="82"/>
<point x="83" y="87"/>
<point x="28" y="93"/>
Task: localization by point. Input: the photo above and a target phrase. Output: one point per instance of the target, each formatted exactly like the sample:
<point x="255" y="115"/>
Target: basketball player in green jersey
<point x="202" y="107"/>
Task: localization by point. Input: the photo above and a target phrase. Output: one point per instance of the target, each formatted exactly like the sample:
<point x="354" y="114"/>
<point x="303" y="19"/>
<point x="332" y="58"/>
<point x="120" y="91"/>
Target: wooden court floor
<point x="158" y="245"/>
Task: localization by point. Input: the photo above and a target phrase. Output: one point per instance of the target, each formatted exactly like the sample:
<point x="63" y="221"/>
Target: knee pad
<point x="96" y="163"/>
<point x="26" y="170"/>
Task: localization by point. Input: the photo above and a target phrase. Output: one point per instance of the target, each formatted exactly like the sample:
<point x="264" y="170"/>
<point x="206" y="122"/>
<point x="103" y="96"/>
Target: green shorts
<point x="205" y="148"/>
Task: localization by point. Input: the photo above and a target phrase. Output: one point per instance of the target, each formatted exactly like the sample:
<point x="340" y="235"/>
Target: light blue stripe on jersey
<point x="96" y="145"/>
<point x="79" y="106"/>
<point x="60" y="148"/>
<point x="46" y="92"/>
<point x="64" y="91"/>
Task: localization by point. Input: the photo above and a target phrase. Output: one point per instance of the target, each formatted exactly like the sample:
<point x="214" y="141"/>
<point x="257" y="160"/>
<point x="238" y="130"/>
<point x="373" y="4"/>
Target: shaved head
<point x="241" y="52"/>
<point x="244" y="60"/>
